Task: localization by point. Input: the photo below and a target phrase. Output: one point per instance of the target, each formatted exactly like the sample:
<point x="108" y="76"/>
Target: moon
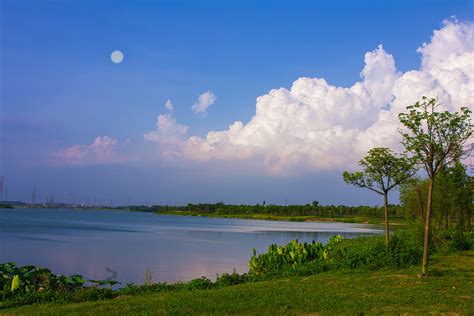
<point x="116" y="57"/>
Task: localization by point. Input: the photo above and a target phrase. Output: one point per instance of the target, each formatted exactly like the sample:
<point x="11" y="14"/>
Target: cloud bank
<point x="314" y="125"/>
<point x="103" y="150"/>
<point x="318" y="126"/>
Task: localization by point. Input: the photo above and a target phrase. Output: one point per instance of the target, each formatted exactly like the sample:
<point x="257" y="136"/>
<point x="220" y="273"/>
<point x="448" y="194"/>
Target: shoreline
<point x="389" y="290"/>
<point x="286" y="218"/>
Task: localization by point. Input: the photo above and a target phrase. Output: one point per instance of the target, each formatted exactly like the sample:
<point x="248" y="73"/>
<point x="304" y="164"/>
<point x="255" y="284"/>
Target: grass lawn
<point x="448" y="289"/>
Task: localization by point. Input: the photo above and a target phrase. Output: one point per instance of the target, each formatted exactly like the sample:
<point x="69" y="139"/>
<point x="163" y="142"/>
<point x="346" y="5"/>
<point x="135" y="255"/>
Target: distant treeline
<point x="313" y="209"/>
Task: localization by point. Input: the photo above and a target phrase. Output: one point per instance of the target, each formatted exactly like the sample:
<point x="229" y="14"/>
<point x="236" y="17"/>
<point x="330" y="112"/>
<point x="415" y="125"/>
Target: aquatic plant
<point x="291" y="255"/>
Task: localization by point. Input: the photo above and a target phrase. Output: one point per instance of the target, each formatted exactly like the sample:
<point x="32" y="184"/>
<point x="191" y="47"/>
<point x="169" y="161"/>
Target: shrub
<point x="199" y="284"/>
<point x="448" y="240"/>
<point x="404" y="250"/>
<point x="93" y="294"/>
<point x="291" y="256"/>
<point x="233" y="278"/>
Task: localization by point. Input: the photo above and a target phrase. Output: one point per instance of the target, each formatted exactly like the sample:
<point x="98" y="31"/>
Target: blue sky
<point x="59" y="88"/>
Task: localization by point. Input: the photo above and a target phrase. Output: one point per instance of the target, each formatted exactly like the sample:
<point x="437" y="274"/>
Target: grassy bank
<point x="448" y="289"/>
<point x="299" y="212"/>
<point x="304" y="218"/>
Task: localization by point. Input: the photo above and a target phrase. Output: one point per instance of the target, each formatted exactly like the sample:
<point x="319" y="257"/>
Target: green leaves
<point x="382" y="170"/>
<point x="15" y="283"/>
<point x="30" y="281"/>
<point x="434" y="138"/>
<point x="291" y="256"/>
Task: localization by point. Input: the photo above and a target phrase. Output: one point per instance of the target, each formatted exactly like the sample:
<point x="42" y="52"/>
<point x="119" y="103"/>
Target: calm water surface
<point x="90" y="242"/>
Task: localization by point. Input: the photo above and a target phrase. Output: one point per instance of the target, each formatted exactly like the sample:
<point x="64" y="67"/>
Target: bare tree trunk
<point x="427" y="226"/>
<point x="387" y="229"/>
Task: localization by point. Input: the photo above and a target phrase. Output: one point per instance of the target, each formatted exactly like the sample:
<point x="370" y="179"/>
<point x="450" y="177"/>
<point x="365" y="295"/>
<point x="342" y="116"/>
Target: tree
<point x="462" y="192"/>
<point x="413" y="196"/>
<point x="382" y="170"/>
<point x="434" y="139"/>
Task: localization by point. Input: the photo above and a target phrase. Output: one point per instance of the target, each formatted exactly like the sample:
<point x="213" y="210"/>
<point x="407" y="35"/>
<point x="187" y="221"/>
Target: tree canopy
<point x="434" y="138"/>
<point x="382" y="170"/>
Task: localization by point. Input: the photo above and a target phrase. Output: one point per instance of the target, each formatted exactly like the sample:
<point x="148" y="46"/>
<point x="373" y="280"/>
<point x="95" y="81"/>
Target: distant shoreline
<point x="270" y="217"/>
<point x="356" y="219"/>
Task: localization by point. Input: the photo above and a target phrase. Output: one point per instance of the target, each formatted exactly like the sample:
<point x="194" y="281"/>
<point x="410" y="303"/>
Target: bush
<point x="93" y="294"/>
<point x="448" y="240"/>
<point x="279" y="258"/>
<point x="233" y="278"/>
<point x="199" y="284"/>
<point x="404" y="250"/>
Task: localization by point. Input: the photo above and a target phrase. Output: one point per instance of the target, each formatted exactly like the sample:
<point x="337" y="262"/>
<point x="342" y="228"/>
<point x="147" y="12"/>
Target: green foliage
<point x="227" y="279"/>
<point x="290" y="212"/>
<point x="30" y="279"/>
<point x="198" y="284"/>
<point x="102" y="283"/>
<point x="435" y="138"/>
<point x="413" y="194"/>
<point x="404" y="250"/>
<point x="293" y="255"/>
<point x="93" y="294"/>
<point x="382" y="170"/>
<point x="452" y="207"/>
<point x="29" y="284"/>
<point x="15" y="283"/>
<point x="445" y="241"/>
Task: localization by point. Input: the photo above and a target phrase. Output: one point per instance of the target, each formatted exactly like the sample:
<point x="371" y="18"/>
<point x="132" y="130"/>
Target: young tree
<point x="434" y="139"/>
<point x="382" y="170"/>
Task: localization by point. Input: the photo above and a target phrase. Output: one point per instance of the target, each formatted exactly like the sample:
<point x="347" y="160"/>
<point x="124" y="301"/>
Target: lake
<point x="174" y="248"/>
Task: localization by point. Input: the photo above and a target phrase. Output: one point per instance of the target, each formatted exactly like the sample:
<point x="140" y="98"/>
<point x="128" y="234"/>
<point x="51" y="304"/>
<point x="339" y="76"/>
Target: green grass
<point x="309" y="218"/>
<point x="448" y="289"/>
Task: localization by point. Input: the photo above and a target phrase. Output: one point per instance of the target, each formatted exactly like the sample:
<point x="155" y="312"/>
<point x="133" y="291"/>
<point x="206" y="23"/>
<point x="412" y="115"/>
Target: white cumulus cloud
<point x="315" y="125"/>
<point x="169" y="135"/>
<point x="205" y="101"/>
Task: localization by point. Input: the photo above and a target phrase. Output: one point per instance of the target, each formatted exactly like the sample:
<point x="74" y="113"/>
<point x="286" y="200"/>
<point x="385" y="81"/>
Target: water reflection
<point x="172" y="247"/>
